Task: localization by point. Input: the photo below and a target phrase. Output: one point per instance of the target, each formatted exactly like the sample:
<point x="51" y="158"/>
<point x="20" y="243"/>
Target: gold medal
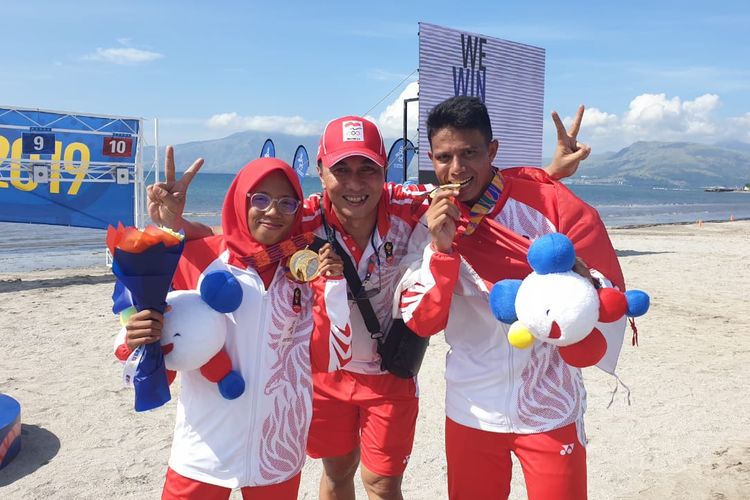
<point x="304" y="265"/>
<point x="435" y="191"/>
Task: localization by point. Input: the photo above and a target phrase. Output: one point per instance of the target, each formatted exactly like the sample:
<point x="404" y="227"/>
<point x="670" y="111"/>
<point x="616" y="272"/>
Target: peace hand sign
<point x="166" y="200"/>
<point x="569" y="152"/>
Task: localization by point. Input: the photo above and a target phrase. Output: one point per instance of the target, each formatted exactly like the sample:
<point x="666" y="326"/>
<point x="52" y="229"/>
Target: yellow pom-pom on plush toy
<point x="520" y="336"/>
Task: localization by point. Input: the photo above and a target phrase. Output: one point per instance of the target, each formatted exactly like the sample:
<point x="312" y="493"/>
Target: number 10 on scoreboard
<point x="117" y="146"/>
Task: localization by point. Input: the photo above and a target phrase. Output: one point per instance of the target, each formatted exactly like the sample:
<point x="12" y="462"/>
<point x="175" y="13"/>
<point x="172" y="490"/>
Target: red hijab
<point x="237" y="237"/>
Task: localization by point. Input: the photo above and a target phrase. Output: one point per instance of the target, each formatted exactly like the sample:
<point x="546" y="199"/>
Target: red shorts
<point x="479" y="463"/>
<point x="376" y="412"/>
<point x="178" y="487"/>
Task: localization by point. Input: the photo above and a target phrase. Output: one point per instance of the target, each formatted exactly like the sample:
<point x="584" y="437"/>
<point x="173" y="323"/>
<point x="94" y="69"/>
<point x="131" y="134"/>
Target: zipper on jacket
<point x="510" y="385"/>
<point x="256" y="379"/>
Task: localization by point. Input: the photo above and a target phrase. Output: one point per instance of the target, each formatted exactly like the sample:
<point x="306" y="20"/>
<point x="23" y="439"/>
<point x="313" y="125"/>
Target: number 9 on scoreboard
<point x="40" y="143"/>
<point x="117" y="146"/>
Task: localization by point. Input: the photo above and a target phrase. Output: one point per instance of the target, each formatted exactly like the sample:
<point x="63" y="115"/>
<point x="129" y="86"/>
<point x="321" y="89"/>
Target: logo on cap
<point x="353" y="130"/>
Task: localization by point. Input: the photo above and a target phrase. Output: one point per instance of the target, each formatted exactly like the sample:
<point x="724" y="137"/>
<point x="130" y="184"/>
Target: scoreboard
<point x="69" y="168"/>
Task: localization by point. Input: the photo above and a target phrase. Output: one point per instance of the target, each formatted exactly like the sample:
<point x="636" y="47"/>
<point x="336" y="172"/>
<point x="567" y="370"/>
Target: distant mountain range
<point x="231" y="153"/>
<point x="670" y="164"/>
<point x="667" y="164"/>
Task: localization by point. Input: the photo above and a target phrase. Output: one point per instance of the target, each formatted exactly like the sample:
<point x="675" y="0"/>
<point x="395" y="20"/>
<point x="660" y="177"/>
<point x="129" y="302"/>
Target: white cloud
<point x="123" y="55"/>
<point x="651" y="108"/>
<point x="703" y="105"/>
<point x="294" y="125"/>
<point x="649" y="117"/>
<point x="657" y="117"/>
<point x="742" y="125"/>
<point x="391" y="120"/>
<point x="595" y="121"/>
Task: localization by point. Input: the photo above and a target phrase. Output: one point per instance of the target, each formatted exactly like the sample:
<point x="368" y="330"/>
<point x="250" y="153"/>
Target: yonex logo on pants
<point x="567" y="449"/>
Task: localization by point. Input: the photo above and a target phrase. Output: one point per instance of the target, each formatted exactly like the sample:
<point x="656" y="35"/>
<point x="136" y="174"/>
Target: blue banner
<point x="268" y="150"/>
<point x="81" y="171"/>
<point x="301" y="161"/>
<point x="395" y="172"/>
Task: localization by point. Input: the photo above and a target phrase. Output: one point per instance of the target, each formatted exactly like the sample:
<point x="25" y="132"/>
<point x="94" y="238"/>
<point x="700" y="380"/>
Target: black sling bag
<point x="401" y="350"/>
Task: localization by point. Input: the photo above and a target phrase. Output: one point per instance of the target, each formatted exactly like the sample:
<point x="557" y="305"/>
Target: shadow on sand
<point x="38" y="447"/>
<point x="22" y="285"/>
<point x="630" y="253"/>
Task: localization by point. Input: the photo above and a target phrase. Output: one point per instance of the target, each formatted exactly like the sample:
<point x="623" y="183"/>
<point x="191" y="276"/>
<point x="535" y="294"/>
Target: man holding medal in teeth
<point x="500" y="399"/>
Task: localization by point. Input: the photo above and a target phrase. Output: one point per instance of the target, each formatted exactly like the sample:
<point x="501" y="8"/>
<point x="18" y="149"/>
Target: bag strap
<point x="316" y="244"/>
<point x="354" y="282"/>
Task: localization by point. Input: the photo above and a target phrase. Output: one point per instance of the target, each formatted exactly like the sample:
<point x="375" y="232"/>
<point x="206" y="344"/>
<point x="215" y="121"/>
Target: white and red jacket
<point x="491" y="385"/>
<point x="260" y="437"/>
<point x="399" y="211"/>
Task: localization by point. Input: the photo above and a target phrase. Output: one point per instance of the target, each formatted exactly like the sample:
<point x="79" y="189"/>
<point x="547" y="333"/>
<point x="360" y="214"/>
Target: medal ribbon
<point x="282" y="250"/>
<point x="485" y="204"/>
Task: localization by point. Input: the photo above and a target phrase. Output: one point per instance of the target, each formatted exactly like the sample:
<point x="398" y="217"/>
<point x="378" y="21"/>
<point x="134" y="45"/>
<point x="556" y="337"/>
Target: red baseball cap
<point x="351" y="136"/>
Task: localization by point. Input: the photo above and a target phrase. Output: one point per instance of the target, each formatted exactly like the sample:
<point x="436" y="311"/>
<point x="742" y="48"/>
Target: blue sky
<point x="646" y="70"/>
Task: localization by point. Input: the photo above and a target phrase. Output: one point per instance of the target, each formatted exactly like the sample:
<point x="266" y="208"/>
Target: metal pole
<point x="140" y="190"/>
<point x="403" y="144"/>
<point x="156" y="150"/>
<point x="404" y="147"/>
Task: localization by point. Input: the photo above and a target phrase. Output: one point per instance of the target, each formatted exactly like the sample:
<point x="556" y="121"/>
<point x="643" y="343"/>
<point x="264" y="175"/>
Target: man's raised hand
<point x="569" y="153"/>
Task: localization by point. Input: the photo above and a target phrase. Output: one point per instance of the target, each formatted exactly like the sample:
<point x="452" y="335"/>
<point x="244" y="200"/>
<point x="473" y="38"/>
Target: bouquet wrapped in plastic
<point x="144" y="263"/>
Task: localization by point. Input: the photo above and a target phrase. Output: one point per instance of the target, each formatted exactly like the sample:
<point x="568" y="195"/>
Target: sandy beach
<point x="685" y="433"/>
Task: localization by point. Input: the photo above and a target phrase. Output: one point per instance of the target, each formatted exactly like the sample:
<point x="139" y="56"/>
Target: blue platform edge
<point x="10" y="429"/>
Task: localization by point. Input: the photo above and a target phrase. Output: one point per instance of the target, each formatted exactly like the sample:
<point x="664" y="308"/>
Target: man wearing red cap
<point x="361" y="411"/>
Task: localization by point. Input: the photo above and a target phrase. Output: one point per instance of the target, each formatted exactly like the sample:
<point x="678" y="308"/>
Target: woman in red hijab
<point x="255" y="442"/>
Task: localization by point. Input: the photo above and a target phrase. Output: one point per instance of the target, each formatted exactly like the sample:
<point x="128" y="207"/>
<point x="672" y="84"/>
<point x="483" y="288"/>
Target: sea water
<point x="26" y="247"/>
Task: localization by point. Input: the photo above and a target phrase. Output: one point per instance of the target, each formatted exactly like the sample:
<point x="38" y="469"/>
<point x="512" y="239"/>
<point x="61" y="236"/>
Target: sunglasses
<point x="286" y="204"/>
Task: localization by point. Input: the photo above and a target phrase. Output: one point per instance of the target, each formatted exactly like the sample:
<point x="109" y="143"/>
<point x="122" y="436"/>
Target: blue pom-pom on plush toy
<point x="503" y="300"/>
<point x="638" y="302"/>
<point x="232" y="385"/>
<point x="221" y="291"/>
<point x="552" y="253"/>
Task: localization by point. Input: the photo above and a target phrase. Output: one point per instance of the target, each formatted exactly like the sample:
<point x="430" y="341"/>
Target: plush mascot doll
<point x="195" y="329"/>
<point x="556" y="305"/>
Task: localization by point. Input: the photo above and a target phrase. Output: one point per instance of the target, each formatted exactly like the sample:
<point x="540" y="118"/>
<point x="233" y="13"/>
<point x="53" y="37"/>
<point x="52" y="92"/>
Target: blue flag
<point x="268" y="150"/>
<point x="301" y="161"/>
<point x="395" y="171"/>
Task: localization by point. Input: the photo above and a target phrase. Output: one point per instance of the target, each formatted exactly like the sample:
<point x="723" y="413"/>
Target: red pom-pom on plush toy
<point x="587" y="352"/>
<point x="612" y="305"/>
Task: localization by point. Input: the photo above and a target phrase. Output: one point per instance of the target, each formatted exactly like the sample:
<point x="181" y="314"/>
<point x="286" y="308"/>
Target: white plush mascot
<point x="195" y="330"/>
<point x="556" y="305"/>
